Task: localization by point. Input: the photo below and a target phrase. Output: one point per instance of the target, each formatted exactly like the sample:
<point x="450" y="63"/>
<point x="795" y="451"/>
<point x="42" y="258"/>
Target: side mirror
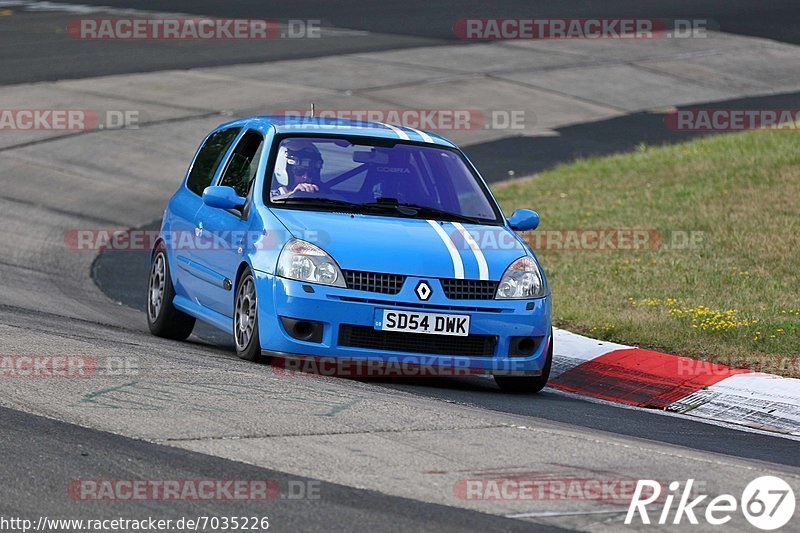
<point x="524" y="220"/>
<point x="222" y="198"/>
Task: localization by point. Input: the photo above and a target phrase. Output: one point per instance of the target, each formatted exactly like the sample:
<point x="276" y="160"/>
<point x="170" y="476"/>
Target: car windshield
<point x="378" y="177"/>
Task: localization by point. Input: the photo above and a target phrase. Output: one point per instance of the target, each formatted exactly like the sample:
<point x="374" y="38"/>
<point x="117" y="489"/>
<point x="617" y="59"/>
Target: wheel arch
<point x="244" y="265"/>
<point x="159" y="242"/>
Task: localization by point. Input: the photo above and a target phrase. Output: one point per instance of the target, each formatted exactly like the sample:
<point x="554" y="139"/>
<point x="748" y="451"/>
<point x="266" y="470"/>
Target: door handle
<point x="198" y="231"/>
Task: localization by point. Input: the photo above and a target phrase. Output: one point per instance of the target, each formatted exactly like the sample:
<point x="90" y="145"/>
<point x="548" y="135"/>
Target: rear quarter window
<point x="209" y="158"/>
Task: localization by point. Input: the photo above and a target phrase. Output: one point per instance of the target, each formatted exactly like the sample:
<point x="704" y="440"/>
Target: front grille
<point x="373" y="281"/>
<point x="373" y="339"/>
<point x="469" y="289"/>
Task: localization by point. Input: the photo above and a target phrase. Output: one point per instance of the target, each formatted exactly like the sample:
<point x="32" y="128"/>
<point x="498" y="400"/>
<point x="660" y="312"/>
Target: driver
<point x="297" y="169"/>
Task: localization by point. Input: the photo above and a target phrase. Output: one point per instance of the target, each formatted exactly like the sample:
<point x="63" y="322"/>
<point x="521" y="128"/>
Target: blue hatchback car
<point x="358" y="241"/>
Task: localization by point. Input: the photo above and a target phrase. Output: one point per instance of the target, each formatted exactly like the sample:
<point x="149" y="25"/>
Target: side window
<point x="243" y="164"/>
<point x="208" y="159"/>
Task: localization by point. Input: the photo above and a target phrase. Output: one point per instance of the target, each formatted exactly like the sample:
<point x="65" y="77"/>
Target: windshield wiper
<point x="424" y="210"/>
<point x="310" y="200"/>
<point x="407" y="209"/>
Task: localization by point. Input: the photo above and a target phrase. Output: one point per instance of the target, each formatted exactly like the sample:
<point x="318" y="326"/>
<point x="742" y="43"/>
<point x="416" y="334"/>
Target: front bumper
<point x="335" y="307"/>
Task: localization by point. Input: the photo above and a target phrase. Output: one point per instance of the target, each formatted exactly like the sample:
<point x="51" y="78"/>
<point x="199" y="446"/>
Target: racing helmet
<point x="295" y="153"/>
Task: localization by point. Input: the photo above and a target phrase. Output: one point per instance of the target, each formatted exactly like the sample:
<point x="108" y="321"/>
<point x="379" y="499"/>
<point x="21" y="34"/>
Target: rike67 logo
<point x="767" y="502"/>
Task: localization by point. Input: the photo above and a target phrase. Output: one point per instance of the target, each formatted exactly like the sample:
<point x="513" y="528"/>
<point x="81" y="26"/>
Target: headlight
<point x="521" y="280"/>
<point x="304" y="261"/>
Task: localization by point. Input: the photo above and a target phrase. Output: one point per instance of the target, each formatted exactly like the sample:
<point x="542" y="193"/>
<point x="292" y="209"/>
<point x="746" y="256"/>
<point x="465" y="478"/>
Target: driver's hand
<point x="306" y="187"/>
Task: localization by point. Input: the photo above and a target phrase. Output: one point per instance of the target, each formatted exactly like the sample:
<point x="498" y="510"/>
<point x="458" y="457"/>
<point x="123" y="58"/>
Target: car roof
<point x="339" y="126"/>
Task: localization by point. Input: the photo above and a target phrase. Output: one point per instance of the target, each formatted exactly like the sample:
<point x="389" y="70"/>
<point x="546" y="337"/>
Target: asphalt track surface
<point x="773" y="20"/>
<point x="261" y="426"/>
<point x="39" y="54"/>
<point x="87" y="454"/>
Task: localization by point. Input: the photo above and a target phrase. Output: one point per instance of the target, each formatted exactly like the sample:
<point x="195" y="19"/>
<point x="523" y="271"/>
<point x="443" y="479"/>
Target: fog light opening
<point x="526" y="346"/>
<point x="303" y="330"/>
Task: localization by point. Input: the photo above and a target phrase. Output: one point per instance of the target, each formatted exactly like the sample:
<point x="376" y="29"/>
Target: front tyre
<point x="163" y="318"/>
<point x="245" y="318"/>
<point x="528" y="384"/>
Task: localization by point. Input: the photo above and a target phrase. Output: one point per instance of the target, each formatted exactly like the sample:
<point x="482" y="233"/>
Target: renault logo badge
<point x="423" y="291"/>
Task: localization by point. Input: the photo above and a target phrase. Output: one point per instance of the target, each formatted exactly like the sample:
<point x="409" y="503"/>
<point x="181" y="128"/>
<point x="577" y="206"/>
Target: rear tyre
<point x="245" y="318"/>
<point x="527" y="384"/>
<point x="163" y="318"/>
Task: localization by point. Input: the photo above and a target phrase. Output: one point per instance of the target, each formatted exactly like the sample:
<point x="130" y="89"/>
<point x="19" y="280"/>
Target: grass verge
<point x="719" y="276"/>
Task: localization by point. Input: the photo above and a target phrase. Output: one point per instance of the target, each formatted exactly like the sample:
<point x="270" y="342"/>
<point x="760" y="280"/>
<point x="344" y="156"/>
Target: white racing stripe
<point x="400" y="133"/>
<point x="458" y="265"/>
<point x="483" y="268"/>
<point x="425" y="137"/>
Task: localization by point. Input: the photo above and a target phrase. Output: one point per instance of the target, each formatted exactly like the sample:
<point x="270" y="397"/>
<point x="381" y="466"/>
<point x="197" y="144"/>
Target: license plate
<point x="431" y="323"/>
